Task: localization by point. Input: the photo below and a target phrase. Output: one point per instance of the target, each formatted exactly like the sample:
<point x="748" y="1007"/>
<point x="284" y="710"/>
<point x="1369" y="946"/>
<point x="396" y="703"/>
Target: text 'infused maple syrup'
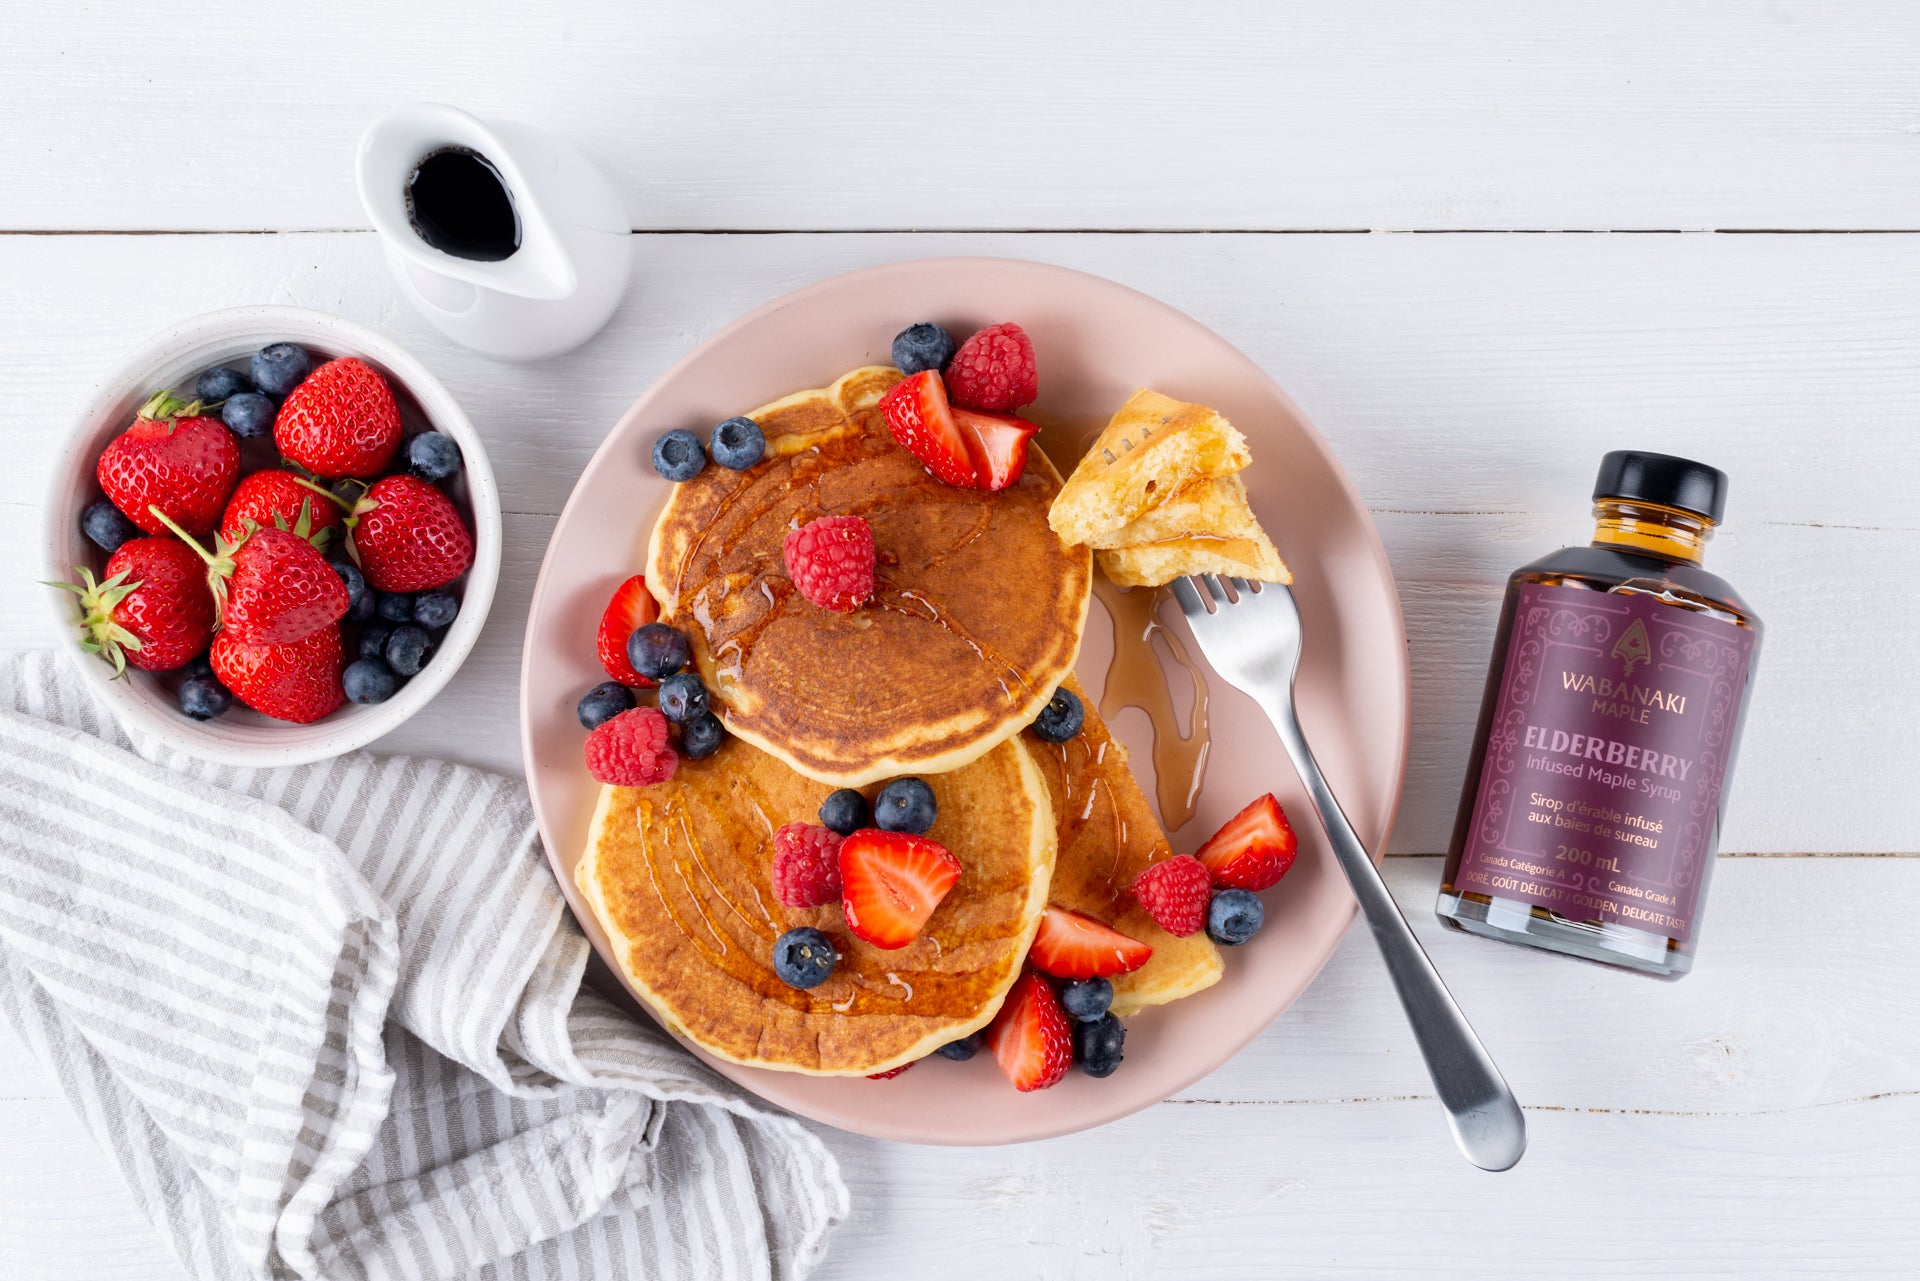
<point x="1591" y="810"/>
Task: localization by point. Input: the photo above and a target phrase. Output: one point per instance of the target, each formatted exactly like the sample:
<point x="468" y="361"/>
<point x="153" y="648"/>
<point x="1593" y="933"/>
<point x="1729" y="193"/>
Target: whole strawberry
<point x="994" y="369"/>
<point x="408" y="537"/>
<point x="299" y="682"/>
<point x="271" y="587"/>
<point x="275" y="499"/>
<point x="172" y="458"/>
<point x="342" y="420"/>
<point x="153" y="610"/>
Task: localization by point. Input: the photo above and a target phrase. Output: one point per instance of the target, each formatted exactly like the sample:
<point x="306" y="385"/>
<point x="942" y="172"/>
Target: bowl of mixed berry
<point x="272" y="536"/>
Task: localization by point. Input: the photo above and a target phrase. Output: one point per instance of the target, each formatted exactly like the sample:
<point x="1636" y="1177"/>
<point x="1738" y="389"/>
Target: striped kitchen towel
<point x="329" y="1022"/>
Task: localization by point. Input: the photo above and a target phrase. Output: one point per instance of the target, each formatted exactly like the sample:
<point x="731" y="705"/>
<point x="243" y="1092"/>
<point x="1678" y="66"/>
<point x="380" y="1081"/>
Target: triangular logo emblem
<point x="1634" y="648"/>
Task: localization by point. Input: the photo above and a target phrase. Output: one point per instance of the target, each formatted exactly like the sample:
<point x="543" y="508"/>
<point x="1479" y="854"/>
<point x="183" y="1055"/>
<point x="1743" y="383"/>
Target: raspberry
<point x="1175" y="892"/>
<point x="831" y="561"/>
<point x="631" y="750"/>
<point x="890" y="1073"/>
<point x="806" y="865"/>
<point x="994" y="369"/>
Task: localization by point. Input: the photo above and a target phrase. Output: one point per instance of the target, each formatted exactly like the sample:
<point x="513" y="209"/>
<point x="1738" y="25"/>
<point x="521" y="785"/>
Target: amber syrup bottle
<point x="1591" y="810"/>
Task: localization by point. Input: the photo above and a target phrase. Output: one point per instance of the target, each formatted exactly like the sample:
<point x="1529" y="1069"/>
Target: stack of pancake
<point x="976" y="620"/>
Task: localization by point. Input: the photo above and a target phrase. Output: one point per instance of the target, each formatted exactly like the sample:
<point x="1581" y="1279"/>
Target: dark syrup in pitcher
<point x="458" y="203"/>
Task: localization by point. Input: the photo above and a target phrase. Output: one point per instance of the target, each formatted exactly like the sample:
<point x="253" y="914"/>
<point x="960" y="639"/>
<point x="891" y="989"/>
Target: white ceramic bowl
<point x="173" y="358"/>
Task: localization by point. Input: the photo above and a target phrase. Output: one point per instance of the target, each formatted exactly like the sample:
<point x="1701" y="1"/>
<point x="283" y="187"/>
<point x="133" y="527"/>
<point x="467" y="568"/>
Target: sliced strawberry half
<point x="996" y="445"/>
<point x="1071" y="946"/>
<point x="1031" y="1037"/>
<point x="919" y="417"/>
<point x="1254" y="848"/>
<point x="631" y="608"/>
<point x="890" y="882"/>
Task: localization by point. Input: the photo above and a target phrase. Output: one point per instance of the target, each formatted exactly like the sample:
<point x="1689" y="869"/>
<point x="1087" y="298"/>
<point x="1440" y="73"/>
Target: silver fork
<point x="1252" y="637"/>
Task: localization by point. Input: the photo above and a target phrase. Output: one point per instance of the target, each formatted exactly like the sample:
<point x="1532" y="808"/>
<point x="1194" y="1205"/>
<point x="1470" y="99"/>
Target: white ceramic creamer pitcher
<point x="555" y="287"/>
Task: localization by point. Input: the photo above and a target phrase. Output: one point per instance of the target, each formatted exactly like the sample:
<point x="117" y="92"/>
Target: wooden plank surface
<point x="1469" y="383"/>
<point x="1752" y="1121"/>
<point x="1744" y="1123"/>
<point x="1393" y="113"/>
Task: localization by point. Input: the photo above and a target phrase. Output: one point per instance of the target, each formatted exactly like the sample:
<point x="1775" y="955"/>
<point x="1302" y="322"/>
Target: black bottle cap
<point x="1663" y="479"/>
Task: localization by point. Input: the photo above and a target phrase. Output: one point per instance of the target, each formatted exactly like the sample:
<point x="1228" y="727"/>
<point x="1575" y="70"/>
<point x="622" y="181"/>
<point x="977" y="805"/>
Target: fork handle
<point x="1485" y="1118"/>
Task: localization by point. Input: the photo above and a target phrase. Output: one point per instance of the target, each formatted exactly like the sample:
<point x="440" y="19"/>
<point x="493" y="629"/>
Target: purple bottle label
<point x="1612" y="731"/>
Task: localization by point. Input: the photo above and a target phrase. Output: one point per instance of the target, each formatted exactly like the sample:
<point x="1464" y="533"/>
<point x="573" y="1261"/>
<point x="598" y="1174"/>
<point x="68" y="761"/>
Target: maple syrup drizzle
<point x="1137" y="678"/>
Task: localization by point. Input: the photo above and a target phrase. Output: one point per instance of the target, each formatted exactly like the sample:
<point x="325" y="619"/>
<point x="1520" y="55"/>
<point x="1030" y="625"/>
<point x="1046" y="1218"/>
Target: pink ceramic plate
<point x="1097" y="341"/>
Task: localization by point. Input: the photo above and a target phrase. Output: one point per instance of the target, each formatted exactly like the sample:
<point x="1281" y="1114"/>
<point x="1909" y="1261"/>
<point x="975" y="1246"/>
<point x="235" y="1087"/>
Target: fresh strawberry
<point x="153" y="611"/>
<point x="1175" y="892"/>
<point x="341" y="420"/>
<point x="831" y="561"/>
<point x="890" y="1073"/>
<point x="806" y="865"/>
<point x="994" y="369"/>
<point x="996" y="445"/>
<point x="631" y="608"/>
<point x="173" y="458"/>
<point x="275" y="499"/>
<point x="271" y="587"/>
<point x="919" y="417"/>
<point x="1071" y="946"/>
<point x="1253" y="849"/>
<point x="631" y="750"/>
<point x="298" y="682"/>
<point x="890" y="883"/>
<point x="1031" y="1037"/>
<point x="407" y="536"/>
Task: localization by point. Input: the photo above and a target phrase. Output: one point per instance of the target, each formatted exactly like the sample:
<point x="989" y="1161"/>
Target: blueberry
<point x="199" y="665"/>
<point x="219" y="384"/>
<point x="905" y="805"/>
<point x="395" y="607"/>
<point x="278" y="368"/>
<point x="845" y="812"/>
<point x="922" y="346"/>
<point x="1061" y="718"/>
<point x="737" y="444"/>
<point x="435" y="608"/>
<point x="678" y="456"/>
<point x="657" y="651"/>
<point x="368" y="680"/>
<point x="107" y="526"/>
<point x="1234" y="916"/>
<point x="408" y="648"/>
<point x="604" y="702"/>
<point x="1097" y="1045"/>
<point x="683" y="698"/>
<point x="963" y="1049"/>
<point x="248" y="415"/>
<point x="203" y="698"/>
<point x="702" y="736"/>
<point x="1087" y="999"/>
<point x="433" y="456"/>
<point x="373" y="640"/>
<point x="359" y="596"/>
<point x="804" y="957"/>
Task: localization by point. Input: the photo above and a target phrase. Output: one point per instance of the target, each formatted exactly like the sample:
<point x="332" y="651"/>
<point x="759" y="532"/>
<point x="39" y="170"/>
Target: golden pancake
<point x="1107" y="836"/>
<point x="1153" y="447"/>
<point x="976" y="618"/>
<point x="680" y="877"/>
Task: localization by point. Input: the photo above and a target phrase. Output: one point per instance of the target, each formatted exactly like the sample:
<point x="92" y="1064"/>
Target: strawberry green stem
<point x="164" y="407"/>
<point x="325" y="493"/>
<point x="219" y="560"/>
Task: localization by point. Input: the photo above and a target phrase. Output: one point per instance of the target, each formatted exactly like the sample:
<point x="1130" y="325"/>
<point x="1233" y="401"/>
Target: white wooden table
<point x="1339" y="193"/>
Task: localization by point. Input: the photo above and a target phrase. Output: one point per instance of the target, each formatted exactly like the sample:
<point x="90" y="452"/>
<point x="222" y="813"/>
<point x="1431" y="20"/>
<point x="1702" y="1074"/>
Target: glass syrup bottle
<point x="1591" y="809"/>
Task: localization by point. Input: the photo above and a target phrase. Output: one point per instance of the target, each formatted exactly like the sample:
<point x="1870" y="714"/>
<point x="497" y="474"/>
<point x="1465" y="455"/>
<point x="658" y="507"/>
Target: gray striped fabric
<point x="329" y="1022"/>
